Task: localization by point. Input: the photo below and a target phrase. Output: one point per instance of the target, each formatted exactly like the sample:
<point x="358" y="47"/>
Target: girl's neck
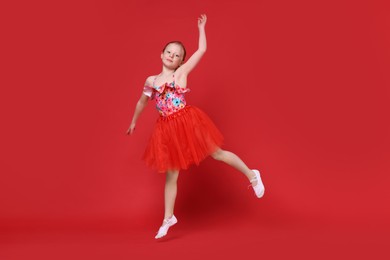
<point x="167" y="72"/>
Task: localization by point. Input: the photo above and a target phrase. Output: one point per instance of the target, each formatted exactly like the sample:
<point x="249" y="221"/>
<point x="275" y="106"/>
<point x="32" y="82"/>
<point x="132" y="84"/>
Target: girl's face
<point x="172" y="56"/>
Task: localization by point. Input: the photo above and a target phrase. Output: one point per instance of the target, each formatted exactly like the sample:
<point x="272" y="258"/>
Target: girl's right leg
<point x="170" y="192"/>
<point x="169" y="200"/>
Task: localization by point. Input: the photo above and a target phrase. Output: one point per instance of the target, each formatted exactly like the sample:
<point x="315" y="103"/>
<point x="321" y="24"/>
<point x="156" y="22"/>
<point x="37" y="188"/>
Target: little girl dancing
<point x="183" y="134"/>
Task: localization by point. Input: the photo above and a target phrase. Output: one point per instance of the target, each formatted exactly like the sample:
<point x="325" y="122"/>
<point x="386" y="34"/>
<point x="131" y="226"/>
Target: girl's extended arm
<point x="195" y="58"/>
<point x="141" y="104"/>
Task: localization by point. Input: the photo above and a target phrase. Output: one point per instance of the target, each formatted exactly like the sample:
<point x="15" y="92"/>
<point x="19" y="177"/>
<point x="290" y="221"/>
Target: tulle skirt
<point x="179" y="140"/>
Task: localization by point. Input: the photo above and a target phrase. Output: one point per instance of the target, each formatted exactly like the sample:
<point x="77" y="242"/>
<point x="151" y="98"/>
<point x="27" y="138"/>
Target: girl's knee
<point x="217" y="155"/>
<point x="172" y="175"/>
<point x="172" y="172"/>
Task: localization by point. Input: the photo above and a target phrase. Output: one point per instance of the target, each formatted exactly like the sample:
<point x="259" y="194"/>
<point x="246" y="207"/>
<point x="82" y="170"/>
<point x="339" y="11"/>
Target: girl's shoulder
<point x="149" y="80"/>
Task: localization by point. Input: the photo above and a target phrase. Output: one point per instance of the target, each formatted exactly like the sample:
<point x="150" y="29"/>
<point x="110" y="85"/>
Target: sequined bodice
<point x="169" y="97"/>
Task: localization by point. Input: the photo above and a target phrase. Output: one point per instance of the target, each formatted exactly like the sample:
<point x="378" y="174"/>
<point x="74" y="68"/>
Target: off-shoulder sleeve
<point x="148" y="90"/>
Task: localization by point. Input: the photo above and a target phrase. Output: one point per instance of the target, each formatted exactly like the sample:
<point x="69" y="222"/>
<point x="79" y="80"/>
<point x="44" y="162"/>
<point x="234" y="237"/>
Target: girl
<point x="183" y="134"/>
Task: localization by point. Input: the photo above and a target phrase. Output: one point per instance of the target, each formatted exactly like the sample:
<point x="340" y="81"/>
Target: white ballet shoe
<point x="259" y="188"/>
<point x="166" y="225"/>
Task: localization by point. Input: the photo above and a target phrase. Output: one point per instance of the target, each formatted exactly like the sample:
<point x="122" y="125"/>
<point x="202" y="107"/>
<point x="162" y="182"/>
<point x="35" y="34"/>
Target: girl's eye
<point x="177" y="55"/>
<point x="168" y="51"/>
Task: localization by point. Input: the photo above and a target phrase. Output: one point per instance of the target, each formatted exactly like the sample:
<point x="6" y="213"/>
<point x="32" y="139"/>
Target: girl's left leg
<point x="235" y="161"/>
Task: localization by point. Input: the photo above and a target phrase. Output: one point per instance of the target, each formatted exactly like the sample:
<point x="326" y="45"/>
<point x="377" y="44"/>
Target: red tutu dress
<point x="183" y="134"/>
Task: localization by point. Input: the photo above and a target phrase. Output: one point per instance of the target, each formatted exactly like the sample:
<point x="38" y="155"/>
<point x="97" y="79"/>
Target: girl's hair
<point x="177" y="42"/>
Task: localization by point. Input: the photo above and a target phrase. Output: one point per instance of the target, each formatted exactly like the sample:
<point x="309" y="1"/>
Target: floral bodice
<point x="169" y="97"/>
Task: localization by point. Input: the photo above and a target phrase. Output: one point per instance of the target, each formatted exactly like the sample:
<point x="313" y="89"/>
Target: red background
<point x="300" y="90"/>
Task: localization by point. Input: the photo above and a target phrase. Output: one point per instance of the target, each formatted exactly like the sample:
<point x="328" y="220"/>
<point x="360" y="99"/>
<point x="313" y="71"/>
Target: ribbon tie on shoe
<point x="251" y="181"/>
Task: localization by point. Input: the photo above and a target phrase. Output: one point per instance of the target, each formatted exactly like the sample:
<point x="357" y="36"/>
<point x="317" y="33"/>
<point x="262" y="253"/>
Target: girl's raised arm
<point x="195" y="58"/>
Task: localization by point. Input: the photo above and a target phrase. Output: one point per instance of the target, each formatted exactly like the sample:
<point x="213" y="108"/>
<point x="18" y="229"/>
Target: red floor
<point x="206" y="237"/>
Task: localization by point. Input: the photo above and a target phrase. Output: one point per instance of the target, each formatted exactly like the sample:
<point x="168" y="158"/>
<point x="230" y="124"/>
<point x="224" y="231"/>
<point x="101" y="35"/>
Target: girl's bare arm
<point x="141" y="104"/>
<point x="187" y="67"/>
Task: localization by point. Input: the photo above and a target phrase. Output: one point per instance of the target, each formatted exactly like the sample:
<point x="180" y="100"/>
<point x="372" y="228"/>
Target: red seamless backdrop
<point x="300" y="90"/>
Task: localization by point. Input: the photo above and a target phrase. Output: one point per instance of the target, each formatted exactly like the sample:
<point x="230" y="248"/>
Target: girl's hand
<point x="131" y="129"/>
<point x="202" y="21"/>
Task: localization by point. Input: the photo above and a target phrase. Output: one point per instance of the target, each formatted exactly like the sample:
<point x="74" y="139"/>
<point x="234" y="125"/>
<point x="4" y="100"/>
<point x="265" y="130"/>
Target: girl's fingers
<point x="203" y="18"/>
